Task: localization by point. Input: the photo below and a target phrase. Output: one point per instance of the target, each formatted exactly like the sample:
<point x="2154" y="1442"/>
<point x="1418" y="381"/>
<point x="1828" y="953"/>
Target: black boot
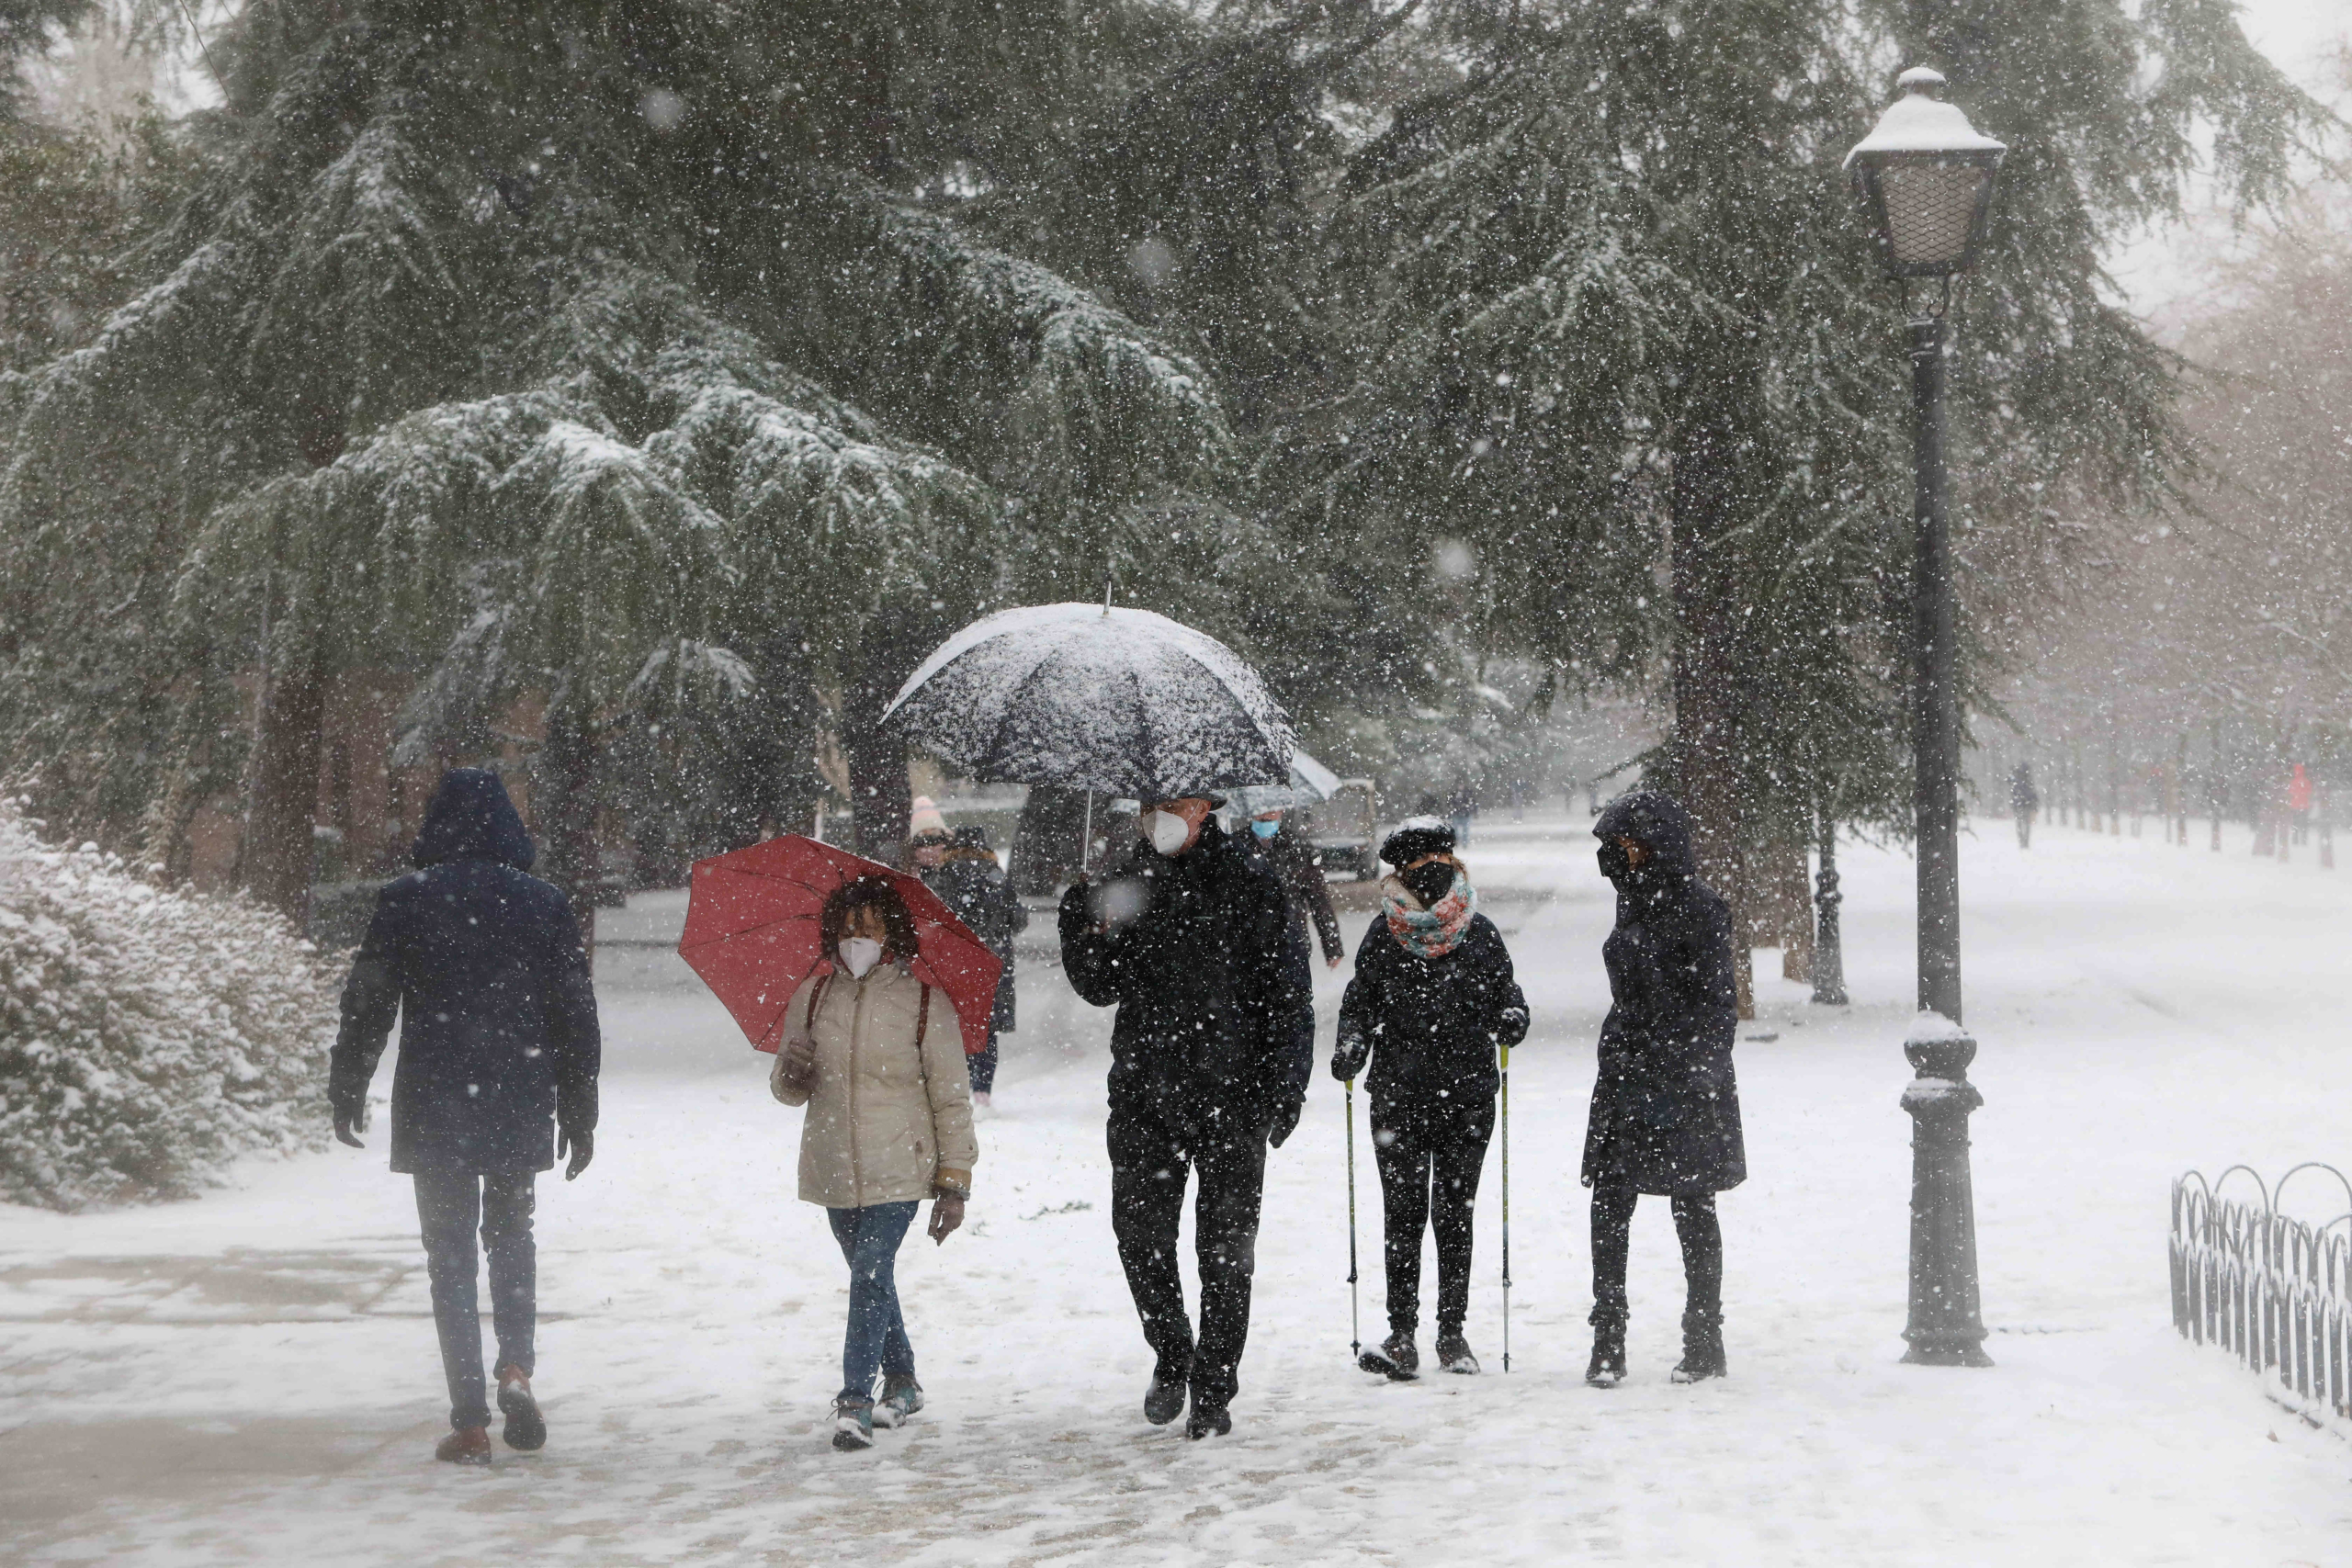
<point x="1607" y="1369"/>
<point x="1395" y="1358"/>
<point x="1703" y="1348"/>
<point x="1164" y="1400"/>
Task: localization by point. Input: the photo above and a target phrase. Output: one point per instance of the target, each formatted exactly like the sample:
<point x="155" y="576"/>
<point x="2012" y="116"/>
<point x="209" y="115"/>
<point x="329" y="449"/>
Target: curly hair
<point x="864" y="892"/>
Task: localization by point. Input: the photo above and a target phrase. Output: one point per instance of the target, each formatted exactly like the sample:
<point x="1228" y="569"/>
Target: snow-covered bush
<point x="147" y="1036"/>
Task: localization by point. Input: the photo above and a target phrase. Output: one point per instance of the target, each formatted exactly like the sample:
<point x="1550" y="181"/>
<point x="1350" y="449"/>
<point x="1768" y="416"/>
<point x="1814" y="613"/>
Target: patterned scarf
<point x="1433" y="933"/>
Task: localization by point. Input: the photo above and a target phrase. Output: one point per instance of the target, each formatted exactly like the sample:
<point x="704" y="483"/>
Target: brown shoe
<point x="526" y="1429"/>
<point x="467" y="1445"/>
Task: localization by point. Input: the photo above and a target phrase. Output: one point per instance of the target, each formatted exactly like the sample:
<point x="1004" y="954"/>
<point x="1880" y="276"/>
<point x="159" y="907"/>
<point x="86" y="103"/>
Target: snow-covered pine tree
<point x="511" y="352"/>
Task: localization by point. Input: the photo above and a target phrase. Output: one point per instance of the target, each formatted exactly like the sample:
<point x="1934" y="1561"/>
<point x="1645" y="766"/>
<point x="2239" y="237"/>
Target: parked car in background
<point x="1345" y="830"/>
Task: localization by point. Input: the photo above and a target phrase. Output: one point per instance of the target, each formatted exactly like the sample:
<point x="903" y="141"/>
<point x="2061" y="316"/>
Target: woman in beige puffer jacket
<point x="877" y="1057"/>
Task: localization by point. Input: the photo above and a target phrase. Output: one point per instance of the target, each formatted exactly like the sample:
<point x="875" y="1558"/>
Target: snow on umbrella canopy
<point x="1123" y="701"/>
<point x="752" y="934"/>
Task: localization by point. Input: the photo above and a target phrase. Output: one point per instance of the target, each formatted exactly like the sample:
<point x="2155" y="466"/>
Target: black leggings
<point x="1703" y="1255"/>
<point x="1429" y="1179"/>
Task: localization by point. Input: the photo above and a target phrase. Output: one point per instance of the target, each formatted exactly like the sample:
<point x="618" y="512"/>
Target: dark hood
<point x="471" y="818"/>
<point x="1658" y="821"/>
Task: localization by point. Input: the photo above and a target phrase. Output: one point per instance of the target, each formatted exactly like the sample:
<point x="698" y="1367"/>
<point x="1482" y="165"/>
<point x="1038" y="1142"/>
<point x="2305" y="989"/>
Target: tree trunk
<point x="563" y="808"/>
<point x="1712" y="452"/>
<point x="273" y="854"/>
<point x="881" y="800"/>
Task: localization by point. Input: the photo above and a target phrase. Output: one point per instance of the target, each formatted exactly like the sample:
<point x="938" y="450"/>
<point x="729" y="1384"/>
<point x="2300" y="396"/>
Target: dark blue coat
<point x="485" y="967"/>
<point x="1666" y="1105"/>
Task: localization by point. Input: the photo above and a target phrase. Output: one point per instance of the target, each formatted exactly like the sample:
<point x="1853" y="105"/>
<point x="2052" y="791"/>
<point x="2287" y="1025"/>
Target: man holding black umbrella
<point x="1210" y="1058"/>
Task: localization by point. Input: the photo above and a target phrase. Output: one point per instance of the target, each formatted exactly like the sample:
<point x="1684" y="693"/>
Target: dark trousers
<point x="1430" y="1162"/>
<point x="1703" y="1255"/>
<point x="981" y="1064"/>
<point x="449" y="1205"/>
<point x="876" y="1340"/>
<point x="1149" y="1162"/>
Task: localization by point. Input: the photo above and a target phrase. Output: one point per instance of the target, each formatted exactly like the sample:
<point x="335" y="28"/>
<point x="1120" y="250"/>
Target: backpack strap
<point x="816" y="999"/>
<point x="922" y="1017"/>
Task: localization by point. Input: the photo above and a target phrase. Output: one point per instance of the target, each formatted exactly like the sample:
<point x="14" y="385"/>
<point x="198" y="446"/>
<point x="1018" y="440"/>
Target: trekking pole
<point x="1355" y="1331"/>
<point x="1506" y="1209"/>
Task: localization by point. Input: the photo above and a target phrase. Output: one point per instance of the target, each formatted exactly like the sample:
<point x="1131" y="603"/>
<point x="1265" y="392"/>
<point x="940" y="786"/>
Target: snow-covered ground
<point x="252" y="1377"/>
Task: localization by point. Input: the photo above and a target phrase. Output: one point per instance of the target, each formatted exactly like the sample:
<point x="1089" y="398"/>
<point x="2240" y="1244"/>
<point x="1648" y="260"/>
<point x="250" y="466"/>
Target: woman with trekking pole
<point x="1665" y="1105"/>
<point x="1432" y="1001"/>
<point x="877" y="1057"/>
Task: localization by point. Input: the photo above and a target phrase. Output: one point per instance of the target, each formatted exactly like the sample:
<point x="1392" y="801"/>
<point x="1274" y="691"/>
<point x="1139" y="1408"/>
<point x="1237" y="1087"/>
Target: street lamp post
<point x="1925" y="177"/>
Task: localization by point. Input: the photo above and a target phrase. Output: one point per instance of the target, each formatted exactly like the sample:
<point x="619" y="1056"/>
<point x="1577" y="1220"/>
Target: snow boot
<point x="467" y="1445"/>
<point x="1702" y="1350"/>
<point x="901" y="1397"/>
<point x="853" y="1424"/>
<point x="1164" y="1400"/>
<point x="1607" y="1368"/>
<point x="1208" y="1421"/>
<point x="1453" y="1354"/>
<point x="1394" y="1358"/>
<point x="525" y="1430"/>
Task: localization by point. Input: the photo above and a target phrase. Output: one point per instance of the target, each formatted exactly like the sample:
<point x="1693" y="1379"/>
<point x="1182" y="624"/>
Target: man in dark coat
<point x="1665" y="1107"/>
<point x="2025" y="800"/>
<point x="497" y="1077"/>
<point x="1291" y="860"/>
<point x="1433" y="999"/>
<point x="1209" y="1062"/>
<point x="963" y="871"/>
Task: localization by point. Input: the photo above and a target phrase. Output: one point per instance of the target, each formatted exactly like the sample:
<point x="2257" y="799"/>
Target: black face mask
<point x="1615" y="864"/>
<point x="1428" y="882"/>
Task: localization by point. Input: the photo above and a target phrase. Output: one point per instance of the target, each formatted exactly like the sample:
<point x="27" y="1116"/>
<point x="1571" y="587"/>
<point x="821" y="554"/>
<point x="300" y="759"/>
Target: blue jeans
<point x="876" y="1340"/>
<point x="449" y="1204"/>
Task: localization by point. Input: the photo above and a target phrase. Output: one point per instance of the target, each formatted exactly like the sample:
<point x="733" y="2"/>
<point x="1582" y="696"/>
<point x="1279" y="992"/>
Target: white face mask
<point x="861" y="953"/>
<point x="1170" y="833"/>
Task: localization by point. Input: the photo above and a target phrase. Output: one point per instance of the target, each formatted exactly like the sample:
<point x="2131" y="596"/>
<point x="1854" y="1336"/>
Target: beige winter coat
<point x="887" y="1121"/>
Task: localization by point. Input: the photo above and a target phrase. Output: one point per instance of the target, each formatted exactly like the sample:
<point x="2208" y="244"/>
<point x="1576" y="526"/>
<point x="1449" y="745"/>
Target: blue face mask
<point x="1264" y="829"/>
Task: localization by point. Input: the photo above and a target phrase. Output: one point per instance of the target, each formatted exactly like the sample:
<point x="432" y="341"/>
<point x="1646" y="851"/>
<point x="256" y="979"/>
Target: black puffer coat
<point x="485" y="967"/>
<point x="1213" y="1019"/>
<point x="1666" y="1105"/>
<point x="976" y="893"/>
<point x="1429" y="1025"/>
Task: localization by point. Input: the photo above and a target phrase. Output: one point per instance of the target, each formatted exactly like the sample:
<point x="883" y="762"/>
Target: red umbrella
<point x="752" y="934"/>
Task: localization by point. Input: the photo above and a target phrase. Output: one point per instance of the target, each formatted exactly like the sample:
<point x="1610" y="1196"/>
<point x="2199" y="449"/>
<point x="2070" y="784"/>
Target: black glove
<point x="1285" y="1119"/>
<point x="1350" y="1056"/>
<point x="583" y="1146"/>
<point x="345" y="1122"/>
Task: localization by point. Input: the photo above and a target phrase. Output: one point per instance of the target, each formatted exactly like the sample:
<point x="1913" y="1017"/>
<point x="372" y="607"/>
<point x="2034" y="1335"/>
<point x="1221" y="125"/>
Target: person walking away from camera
<point x="1665" y="1112"/>
<point x="1432" y="1000"/>
<point x="1306" y="895"/>
<point x="877" y="1057"/>
<point x="496" y="1079"/>
<point x="1210" y="1056"/>
<point x="1460" y="808"/>
<point x="2024" y="802"/>
<point x="963" y="870"/>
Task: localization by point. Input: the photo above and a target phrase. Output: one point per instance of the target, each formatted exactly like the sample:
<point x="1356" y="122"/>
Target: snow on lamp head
<point x="1925" y="177"/>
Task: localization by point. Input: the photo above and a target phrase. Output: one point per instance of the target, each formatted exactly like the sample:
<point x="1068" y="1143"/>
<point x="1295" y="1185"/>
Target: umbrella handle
<point x="1086" y="840"/>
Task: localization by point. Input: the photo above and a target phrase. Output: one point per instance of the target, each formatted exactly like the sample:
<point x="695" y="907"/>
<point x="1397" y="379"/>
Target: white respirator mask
<point x="861" y="953"/>
<point x="1168" y="831"/>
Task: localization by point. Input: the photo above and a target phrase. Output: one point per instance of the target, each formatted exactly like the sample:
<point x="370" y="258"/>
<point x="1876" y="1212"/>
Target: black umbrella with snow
<point x="1121" y="702"/>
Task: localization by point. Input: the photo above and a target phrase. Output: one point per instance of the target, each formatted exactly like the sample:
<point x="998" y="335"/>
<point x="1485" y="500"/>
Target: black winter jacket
<point x="1213" y="1019"/>
<point x="1666" y="1105"/>
<point x="1429" y="1025"/>
<point x="485" y="967"/>
<point x="976" y="893"/>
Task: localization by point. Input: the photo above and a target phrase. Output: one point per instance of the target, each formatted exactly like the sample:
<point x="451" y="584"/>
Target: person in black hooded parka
<point x="1209" y="1060"/>
<point x="1665" y="1106"/>
<point x="497" y="1035"/>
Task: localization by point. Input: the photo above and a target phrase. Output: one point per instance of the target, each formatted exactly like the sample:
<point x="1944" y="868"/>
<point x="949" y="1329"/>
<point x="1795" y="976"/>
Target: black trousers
<point x="1695" y="1227"/>
<point x="1429" y="1159"/>
<point x="1149" y="1163"/>
<point x="449" y="1204"/>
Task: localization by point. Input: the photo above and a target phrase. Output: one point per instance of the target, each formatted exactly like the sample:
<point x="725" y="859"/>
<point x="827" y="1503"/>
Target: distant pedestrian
<point x="496" y="1081"/>
<point x="1460" y="808"/>
<point x="1665" y="1112"/>
<point x="876" y="1057"/>
<point x="1432" y="1000"/>
<point x="2024" y="802"/>
<point x="1210" y="1057"/>
<point x="963" y="870"/>
<point x="1292" y="859"/>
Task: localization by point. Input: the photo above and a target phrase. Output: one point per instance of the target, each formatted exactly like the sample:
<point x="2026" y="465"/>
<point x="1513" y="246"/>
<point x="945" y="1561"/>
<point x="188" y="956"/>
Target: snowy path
<point x="251" y="1378"/>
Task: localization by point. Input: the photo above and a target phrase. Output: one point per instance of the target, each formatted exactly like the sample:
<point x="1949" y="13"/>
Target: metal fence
<point x="2273" y="1289"/>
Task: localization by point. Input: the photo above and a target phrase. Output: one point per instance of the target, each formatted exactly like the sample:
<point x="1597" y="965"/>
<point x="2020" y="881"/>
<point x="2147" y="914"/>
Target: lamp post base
<point x="1946" y="1327"/>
